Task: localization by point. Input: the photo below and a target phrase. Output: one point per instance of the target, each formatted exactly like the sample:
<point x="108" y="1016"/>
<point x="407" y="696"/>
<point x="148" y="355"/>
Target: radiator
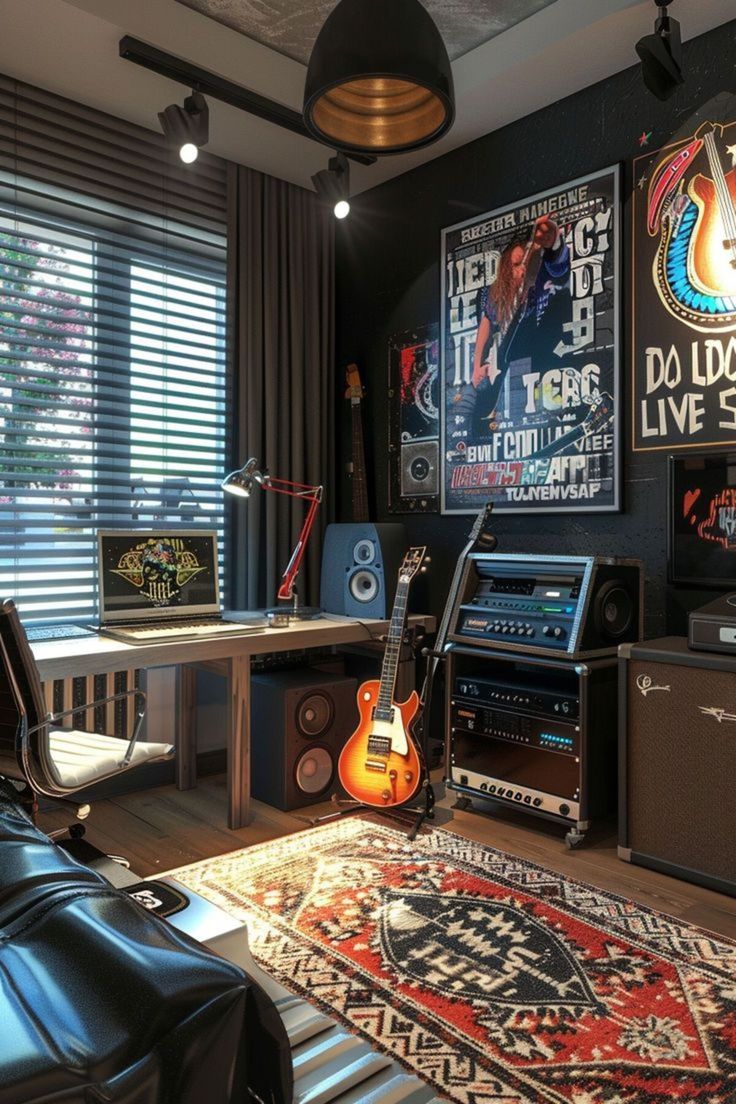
<point x="117" y="718"/>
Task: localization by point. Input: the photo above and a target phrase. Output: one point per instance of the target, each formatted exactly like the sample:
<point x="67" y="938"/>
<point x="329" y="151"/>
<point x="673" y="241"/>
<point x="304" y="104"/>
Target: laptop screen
<point x="155" y="574"/>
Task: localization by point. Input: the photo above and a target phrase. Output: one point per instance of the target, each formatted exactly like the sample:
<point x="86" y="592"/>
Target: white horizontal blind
<point x="113" y="383"/>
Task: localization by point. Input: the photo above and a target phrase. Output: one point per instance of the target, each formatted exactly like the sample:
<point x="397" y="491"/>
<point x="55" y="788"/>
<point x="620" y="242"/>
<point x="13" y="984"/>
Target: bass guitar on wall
<point x="380" y="763"/>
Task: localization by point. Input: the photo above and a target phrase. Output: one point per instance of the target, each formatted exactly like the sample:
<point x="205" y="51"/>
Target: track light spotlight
<point x="333" y="185"/>
<point x="187" y="127"/>
<point x="661" y="55"/>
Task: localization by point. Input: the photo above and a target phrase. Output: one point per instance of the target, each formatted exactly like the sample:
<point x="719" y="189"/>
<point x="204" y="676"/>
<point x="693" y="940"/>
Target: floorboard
<point x="159" y="829"/>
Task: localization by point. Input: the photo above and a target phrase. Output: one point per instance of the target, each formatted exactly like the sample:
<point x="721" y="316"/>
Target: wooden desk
<point x="229" y="655"/>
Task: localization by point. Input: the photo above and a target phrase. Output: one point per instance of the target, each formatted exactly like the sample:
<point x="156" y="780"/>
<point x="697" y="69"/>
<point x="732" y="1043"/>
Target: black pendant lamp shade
<point x="379" y="78"/>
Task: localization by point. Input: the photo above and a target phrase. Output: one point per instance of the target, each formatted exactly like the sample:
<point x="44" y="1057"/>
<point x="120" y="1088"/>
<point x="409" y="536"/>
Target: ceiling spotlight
<point x="187" y="127"/>
<point x="333" y="185"/>
<point x="379" y="78"/>
<point x="661" y="55"/>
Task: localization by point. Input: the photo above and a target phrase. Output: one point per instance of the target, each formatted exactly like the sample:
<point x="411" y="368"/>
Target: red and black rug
<point x="490" y="977"/>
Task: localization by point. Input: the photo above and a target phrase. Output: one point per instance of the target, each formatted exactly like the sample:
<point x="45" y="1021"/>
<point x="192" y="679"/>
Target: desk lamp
<point x="241" y="483"/>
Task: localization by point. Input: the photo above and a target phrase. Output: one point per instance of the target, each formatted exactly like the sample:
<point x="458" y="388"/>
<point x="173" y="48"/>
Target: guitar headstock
<point x="600" y="413"/>
<point x="480" y="536"/>
<point x="355" y="387"/>
<point x="413" y="561"/>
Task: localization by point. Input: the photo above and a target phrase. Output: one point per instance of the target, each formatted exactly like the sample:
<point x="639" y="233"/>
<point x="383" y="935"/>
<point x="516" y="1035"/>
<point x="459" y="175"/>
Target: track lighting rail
<point x="218" y="88"/>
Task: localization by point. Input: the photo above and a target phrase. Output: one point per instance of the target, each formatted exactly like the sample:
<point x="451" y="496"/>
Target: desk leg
<point x="185" y="766"/>
<point x="238" y="747"/>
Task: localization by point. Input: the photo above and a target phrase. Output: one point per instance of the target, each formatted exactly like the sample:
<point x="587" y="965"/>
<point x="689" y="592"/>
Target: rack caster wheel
<point x="463" y="803"/>
<point x="574" y="839"/>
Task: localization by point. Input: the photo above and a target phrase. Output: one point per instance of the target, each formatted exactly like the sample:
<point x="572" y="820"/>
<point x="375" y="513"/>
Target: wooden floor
<point x="163" y="828"/>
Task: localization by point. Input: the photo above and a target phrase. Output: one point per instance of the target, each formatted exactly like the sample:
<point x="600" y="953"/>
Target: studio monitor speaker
<point x="678" y="762"/>
<point x="300" y="721"/>
<point x="360" y="566"/>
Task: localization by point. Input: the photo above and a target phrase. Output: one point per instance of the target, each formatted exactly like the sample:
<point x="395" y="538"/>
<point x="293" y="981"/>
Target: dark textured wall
<point x="388" y="280"/>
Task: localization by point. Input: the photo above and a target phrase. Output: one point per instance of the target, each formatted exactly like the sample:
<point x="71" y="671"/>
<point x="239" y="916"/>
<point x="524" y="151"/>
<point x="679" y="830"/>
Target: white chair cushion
<point x="81" y="758"/>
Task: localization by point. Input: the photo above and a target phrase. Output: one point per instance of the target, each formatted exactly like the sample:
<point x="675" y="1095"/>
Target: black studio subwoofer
<point x="360" y="566"/>
<point x="299" y="723"/>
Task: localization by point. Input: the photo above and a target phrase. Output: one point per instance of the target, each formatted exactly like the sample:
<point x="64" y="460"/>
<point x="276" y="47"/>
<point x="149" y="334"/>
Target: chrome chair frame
<point x="30" y="758"/>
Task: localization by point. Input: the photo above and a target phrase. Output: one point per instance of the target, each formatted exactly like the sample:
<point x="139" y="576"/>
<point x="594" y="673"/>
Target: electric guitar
<point x="599" y="415"/>
<point x="480" y="539"/>
<point x="713" y="247"/>
<point x="380" y="763"/>
<point x="357" y="467"/>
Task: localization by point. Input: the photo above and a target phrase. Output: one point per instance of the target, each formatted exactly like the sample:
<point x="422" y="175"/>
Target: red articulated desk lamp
<point x="241" y="483"/>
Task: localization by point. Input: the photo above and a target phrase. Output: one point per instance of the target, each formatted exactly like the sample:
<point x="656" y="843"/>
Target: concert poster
<point x="702" y="520"/>
<point x="530" y="353"/>
<point x="684" y="280"/>
<point x="414" y="420"/>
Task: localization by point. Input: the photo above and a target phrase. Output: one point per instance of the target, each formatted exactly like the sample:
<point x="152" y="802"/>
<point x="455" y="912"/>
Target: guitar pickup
<point x="389" y="718"/>
<point x="379" y="745"/>
<point x="374" y="765"/>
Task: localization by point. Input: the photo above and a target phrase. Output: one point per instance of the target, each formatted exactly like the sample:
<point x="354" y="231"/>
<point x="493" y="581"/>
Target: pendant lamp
<point x="379" y="79"/>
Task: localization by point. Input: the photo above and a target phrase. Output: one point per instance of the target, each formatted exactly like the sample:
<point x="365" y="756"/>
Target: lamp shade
<point x="241" y="482"/>
<point x="379" y="78"/>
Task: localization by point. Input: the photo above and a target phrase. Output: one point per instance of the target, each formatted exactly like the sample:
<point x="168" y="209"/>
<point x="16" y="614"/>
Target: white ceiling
<point x="291" y="26"/>
<point x="71" y="47"/>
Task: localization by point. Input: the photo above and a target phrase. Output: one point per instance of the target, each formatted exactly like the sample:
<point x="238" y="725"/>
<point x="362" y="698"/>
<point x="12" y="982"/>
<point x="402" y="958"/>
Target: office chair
<point x="36" y="749"/>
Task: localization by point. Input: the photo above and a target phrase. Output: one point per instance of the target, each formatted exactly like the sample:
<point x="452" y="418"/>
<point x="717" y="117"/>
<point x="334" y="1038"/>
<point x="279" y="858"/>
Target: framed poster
<point x="414" y="421"/>
<point x="684" y="290"/>
<point x="702" y="520"/>
<point x="530" y="353"/>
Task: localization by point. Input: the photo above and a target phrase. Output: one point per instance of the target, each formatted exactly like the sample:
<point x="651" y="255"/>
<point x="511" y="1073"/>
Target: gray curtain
<point x="282" y="323"/>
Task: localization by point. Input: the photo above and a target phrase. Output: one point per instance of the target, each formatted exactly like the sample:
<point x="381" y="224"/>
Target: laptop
<point x="161" y="585"/>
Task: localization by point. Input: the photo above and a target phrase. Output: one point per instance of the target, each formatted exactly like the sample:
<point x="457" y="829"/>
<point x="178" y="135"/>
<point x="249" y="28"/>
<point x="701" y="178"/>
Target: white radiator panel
<point x="118" y="718"/>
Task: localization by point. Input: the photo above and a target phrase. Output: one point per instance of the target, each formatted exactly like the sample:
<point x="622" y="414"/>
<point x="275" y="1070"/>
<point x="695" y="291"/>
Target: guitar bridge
<point x="374" y="765"/>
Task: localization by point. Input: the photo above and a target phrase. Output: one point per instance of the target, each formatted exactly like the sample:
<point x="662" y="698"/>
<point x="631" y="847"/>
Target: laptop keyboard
<point x="56" y="632"/>
<point x="181" y="630"/>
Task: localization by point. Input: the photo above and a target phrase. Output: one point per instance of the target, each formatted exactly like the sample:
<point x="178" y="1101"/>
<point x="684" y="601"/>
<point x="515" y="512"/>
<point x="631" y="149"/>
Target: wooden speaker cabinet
<point x="677" y="762"/>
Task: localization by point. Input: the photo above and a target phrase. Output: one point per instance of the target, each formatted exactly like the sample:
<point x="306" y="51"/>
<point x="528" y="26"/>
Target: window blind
<point x="114" y="391"/>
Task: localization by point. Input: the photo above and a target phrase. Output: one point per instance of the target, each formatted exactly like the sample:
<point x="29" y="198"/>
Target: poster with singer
<point x="684" y="300"/>
<point x="530" y="353"/>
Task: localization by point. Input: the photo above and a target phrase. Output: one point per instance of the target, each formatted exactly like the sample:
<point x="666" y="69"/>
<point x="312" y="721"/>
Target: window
<point x="113" y="390"/>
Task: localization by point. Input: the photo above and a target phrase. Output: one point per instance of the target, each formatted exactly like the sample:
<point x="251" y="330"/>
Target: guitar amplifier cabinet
<point x="677" y="762"/>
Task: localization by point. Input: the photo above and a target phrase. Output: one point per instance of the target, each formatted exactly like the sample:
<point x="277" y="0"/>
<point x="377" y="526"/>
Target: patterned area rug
<point x="492" y="978"/>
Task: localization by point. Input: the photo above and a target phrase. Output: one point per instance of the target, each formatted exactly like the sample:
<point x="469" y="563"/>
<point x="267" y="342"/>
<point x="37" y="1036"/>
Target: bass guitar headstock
<point x="354" y="390"/>
<point x="414" y="561"/>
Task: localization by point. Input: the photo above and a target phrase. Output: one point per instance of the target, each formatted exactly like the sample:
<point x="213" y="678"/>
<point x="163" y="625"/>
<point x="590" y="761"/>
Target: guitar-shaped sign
<point x="357" y="467"/>
<point x="380" y="763"/>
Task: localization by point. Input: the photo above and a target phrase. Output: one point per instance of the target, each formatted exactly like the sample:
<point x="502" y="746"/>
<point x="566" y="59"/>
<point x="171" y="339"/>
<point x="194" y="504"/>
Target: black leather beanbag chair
<point x="103" y="1003"/>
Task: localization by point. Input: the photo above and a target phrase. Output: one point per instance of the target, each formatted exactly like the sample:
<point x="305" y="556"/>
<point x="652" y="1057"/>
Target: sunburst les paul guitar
<point x="380" y="764"/>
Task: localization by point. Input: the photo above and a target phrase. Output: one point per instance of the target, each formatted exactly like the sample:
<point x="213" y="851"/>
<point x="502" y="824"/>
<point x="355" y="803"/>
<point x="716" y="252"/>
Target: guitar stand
<point x="413" y="638"/>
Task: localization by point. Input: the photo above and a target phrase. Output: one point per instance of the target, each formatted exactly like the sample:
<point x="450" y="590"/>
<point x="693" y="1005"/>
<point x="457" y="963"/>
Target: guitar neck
<point x="479" y="525"/>
<point x="360" y="485"/>
<point x="393" y="651"/>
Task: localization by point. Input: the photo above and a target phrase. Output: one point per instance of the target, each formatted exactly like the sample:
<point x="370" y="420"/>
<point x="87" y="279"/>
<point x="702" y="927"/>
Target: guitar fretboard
<point x="392" y="654"/>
